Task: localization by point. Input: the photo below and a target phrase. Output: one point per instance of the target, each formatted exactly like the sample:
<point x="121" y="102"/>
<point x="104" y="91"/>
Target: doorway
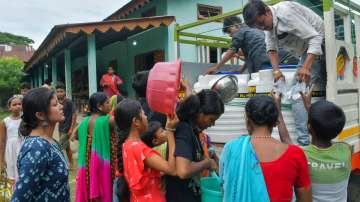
<point x="147" y="60"/>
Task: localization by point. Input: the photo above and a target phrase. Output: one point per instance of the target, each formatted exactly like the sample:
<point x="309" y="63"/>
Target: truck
<point x="342" y="33"/>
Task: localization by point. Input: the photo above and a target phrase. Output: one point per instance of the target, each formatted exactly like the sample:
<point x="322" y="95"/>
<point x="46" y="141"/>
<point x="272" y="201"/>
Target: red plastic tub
<point x="163" y="87"/>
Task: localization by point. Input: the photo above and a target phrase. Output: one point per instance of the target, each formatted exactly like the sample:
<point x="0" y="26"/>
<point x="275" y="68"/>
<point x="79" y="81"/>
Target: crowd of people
<point x="127" y="152"/>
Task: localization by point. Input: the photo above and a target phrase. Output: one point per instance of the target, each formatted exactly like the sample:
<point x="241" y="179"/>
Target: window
<point x="149" y="13"/>
<point x="206" y="11"/>
<point x="339" y="27"/>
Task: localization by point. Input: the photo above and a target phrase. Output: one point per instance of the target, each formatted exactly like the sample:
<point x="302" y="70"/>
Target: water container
<point x="211" y="189"/>
<point x="253" y="82"/>
<point x="163" y="87"/>
<point x="231" y="124"/>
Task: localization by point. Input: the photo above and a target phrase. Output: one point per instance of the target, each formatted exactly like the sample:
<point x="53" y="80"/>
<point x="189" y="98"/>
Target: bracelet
<point x="170" y="129"/>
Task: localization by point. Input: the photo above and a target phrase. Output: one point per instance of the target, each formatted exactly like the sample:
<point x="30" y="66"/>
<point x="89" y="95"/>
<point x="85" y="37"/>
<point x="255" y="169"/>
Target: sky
<point x="35" y="18"/>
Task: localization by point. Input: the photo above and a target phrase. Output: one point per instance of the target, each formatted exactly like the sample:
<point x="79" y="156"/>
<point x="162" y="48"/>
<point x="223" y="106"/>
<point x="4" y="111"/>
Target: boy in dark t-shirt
<point x="68" y="125"/>
<point x="251" y="43"/>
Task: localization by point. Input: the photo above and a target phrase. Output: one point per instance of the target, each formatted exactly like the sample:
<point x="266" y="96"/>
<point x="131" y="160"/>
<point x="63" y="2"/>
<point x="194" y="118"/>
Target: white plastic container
<point x="232" y="123"/>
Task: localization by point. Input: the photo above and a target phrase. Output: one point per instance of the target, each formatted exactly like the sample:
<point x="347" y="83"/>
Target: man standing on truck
<point x="250" y="43"/>
<point x="300" y="31"/>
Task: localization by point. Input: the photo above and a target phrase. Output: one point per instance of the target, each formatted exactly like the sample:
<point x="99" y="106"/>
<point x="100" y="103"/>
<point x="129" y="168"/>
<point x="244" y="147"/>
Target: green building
<point x="132" y="39"/>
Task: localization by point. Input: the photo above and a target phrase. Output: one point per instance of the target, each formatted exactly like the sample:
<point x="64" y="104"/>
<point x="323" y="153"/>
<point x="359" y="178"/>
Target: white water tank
<point x="232" y="123"/>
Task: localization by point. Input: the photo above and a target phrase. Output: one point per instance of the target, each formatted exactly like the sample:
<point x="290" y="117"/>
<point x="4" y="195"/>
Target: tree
<point x="10" y="77"/>
<point x="11" y="39"/>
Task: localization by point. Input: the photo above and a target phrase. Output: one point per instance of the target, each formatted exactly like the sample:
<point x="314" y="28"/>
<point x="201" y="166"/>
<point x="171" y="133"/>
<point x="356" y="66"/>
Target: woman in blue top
<point x="43" y="172"/>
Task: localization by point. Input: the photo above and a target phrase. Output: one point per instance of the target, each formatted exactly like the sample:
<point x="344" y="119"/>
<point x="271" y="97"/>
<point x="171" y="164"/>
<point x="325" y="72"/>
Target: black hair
<point x="96" y="99"/>
<point x="60" y="85"/>
<point x="36" y="100"/>
<point x="262" y="111"/>
<point x="47" y="81"/>
<point x="230" y="21"/>
<point x="139" y="83"/>
<point x="252" y="10"/>
<point x="25" y="85"/>
<point x="119" y="98"/>
<point x="124" y="114"/>
<point x="326" y="119"/>
<point x="150" y="134"/>
<point x="206" y="101"/>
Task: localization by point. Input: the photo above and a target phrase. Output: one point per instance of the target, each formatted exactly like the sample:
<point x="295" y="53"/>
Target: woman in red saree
<point x="110" y="82"/>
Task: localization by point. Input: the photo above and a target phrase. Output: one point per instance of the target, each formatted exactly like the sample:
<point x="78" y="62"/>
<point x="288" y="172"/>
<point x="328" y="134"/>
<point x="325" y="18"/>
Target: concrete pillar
<point x="46" y="74"/>
<point x="35" y="77"/>
<point x="40" y="75"/>
<point x="91" y="53"/>
<point x="33" y="74"/>
<point x="54" y="70"/>
<point x="67" y="57"/>
<point x="31" y="79"/>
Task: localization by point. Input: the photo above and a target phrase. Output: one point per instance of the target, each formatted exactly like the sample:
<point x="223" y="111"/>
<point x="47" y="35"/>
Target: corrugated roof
<point x="22" y="52"/>
<point x="61" y="32"/>
<point x="126" y="10"/>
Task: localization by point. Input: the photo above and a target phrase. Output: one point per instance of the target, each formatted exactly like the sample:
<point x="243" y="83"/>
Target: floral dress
<point x="43" y="172"/>
<point x="144" y="183"/>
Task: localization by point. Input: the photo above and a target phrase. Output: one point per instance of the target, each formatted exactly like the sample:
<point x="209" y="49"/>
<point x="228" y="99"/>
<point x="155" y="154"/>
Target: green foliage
<point x="10" y="77"/>
<point x="3" y="114"/>
<point x="10" y="39"/>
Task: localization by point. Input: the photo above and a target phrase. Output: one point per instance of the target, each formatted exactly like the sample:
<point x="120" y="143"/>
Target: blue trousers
<point x="318" y="78"/>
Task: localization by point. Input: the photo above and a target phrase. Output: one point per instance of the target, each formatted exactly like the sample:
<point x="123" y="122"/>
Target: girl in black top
<point x="196" y="113"/>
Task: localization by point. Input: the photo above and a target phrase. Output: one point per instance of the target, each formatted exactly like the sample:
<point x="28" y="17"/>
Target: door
<point x="147" y="60"/>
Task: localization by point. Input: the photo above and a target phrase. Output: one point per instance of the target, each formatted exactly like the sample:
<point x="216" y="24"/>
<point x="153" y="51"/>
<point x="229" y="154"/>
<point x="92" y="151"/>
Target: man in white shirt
<point x="300" y="31"/>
